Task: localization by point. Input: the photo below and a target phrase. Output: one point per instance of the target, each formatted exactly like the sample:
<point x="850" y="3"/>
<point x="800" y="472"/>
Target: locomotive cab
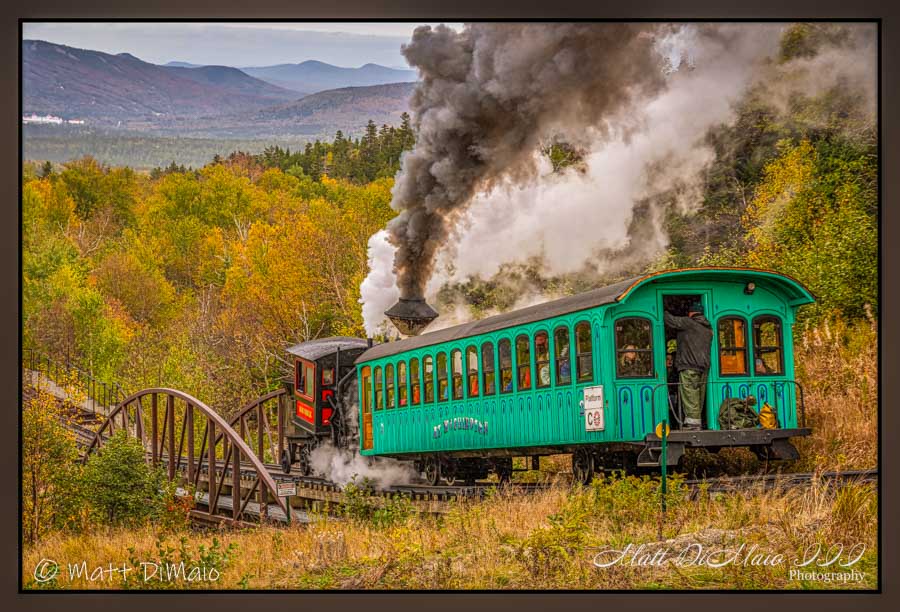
<point x="320" y="369"/>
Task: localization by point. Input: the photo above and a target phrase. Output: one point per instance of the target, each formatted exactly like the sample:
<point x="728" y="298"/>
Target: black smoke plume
<point x="489" y="97"/>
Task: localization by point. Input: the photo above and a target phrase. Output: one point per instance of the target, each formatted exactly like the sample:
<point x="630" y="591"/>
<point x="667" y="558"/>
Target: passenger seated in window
<point x="629" y="364"/>
<point x="565" y="368"/>
<point x="544" y="375"/>
<point x="762" y="367"/>
<point x="506" y="380"/>
<point x="542" y="355"/>
<point x="525" y="379"/>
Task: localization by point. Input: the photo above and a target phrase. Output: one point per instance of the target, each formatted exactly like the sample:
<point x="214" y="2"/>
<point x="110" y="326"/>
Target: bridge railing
<point x="100" y="394"/>
<point x="196" y="446"/>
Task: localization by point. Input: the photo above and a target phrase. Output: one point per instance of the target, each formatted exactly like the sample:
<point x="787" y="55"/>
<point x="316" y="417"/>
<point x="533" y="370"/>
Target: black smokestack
<point x="488" y="97"/>
<point x="411" y="316"/>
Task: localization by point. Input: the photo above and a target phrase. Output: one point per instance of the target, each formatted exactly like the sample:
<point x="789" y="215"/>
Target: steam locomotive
<point x="585" y="374"/>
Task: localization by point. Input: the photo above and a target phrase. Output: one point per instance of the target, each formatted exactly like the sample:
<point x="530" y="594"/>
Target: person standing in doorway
<point x="694" y="340"/>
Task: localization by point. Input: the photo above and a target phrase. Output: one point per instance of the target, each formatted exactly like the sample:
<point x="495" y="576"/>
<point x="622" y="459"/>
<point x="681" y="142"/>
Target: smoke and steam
<point x="476" y="194"/>
<point x="342" y="466"/>
<point x="345" y="465"/>
<point x="488" y="95"/>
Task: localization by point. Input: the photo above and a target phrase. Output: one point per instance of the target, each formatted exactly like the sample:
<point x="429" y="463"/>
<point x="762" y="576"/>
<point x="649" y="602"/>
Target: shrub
<point x="123" y="488"/>
<point x="51" y="478"/>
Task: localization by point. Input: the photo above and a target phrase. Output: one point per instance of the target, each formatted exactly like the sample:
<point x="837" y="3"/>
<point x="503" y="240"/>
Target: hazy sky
<point x="237" y="44"/>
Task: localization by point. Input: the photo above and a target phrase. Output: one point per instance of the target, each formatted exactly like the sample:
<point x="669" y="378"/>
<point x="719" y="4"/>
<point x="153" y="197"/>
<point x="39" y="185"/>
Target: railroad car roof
<point x="600" y="296"/>
<point x="315" y="349"/>
<point x="538" y="312"/>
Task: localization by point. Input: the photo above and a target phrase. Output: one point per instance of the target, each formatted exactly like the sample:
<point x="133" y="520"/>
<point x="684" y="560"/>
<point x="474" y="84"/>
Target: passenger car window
<point x="442" y="377"/>
<point x="379" y="392"/>
<point x="456" y="364"/>
<point x="487" y="365"/>
<point x="389" y="383"/>
<point x="506" y="373"/>
<point x="523" y="363"/>
<point x="732" y="346"/>
<point x="634" y="348"/>
<point x="428" y="366"/>
<point x="401" y="383"/>
<point x="472" y="370"/>
<point x="563" y="356"/>
<point x="767" y="346"/>
<point x="414" y="380"/>
<point x="584" y="352"/>
<point x="366" y="382"/>
<point x="542" y="359"/>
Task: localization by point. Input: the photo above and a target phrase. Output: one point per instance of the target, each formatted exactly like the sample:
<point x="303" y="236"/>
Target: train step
<point x="651" y="454"/>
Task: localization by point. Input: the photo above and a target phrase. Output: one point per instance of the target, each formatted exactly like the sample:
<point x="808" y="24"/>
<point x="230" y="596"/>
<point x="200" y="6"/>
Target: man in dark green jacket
<point x="694" y="340"/>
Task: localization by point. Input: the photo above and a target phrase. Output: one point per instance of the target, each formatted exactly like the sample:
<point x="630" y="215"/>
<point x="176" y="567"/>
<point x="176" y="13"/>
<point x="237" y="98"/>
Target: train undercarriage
<point x="588" y="459"/>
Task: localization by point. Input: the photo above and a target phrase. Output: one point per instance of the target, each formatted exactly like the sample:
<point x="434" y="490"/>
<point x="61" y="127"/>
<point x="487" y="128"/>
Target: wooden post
<point x="260" y="449"/>
<point x="154" y="413"/>
<point x="189" y="423"/>
<point x="261" y="494"/>
<point x="170" y="420"/>
<point x="236" y="482"/>
<point x="138" y="421"/>
<point x="211" y="460"/>
<point x="280" y="433"/>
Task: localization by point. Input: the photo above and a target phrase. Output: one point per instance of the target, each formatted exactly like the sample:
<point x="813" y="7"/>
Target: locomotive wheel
<point x="432" y="471"/>
<point x="303" y="460"/>
<point x="286" y="461"/>
<point x="582" y="466"/>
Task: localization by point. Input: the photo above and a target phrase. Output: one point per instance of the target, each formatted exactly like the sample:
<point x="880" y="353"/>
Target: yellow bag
<point x="767" y="418"/>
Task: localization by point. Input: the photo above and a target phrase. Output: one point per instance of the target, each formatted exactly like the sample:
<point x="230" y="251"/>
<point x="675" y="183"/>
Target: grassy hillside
<point x="547" y="540"/>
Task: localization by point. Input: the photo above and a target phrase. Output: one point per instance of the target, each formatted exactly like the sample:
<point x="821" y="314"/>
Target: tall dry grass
<point x="837" y="364"/>
<point x="547" y="540"/>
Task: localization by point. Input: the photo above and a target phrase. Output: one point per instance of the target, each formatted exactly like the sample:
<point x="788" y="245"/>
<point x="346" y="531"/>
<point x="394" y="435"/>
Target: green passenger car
<point x="586" y="374"/>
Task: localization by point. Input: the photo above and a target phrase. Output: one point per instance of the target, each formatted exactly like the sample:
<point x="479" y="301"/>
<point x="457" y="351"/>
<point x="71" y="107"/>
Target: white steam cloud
<point x="343" y="466"/>
<point x="655" y="145"/>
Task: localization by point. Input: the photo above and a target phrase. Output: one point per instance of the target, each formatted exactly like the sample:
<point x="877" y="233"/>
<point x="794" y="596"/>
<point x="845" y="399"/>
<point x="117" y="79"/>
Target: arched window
<point x="379" y="391"/>
<point x="366" y="395"/>
<point x="472" y="370"/>
<point x="428" y="367"/>
<point x="457" y="365"/>
<point x="389" y="383"/>
<point x="542" y="359"/>
<point x="414" y="380"/>
<point x="487" y="366"/>
<point x="563" y="354"/>
<point x="768" y="353"/>
<point x="506" y="372"/>
<point x="442" y="377"/>
<point x="584" y="352"/>
<point x="401" y="383"/>
<point x="523" y="363"/>
<point x="634" y="348"/>
<point x="733" y="346"/>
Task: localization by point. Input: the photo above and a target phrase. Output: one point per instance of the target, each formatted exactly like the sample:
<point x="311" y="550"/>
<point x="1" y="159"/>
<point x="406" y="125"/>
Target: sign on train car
<point x="593" y="408"/>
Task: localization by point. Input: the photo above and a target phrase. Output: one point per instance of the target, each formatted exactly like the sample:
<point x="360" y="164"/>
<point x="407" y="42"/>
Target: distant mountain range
<point x="124" y="92"/>
<point x="312" y="76"/>
<point x="106" y="89"/>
